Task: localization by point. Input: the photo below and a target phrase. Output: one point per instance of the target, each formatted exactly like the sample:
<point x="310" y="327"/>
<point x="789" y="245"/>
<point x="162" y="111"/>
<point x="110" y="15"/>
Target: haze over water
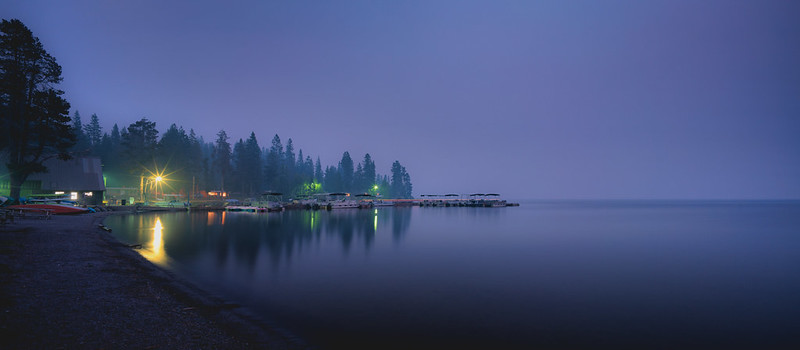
<point x="556" y="274"/>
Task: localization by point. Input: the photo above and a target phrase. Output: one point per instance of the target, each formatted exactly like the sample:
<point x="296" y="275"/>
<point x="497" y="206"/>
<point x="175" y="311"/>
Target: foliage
<point x="35" y="118"/>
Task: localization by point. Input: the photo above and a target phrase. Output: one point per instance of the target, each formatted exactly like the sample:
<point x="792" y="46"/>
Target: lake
<point x="554" y="274"/>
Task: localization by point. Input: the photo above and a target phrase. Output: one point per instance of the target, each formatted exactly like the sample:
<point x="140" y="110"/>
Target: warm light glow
<point x="73" y="196"/>
<point x="59" y="192"/>
<point x="156" y="253"/>
<point x="158" y="178"/>
<point x="158" y="239"/>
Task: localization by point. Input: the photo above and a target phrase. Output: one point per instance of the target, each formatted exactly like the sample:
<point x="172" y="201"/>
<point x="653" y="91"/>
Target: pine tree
<point x="318" y="174"/>
<point x="82" y="145"/>
<point x="272" y="169"/>
<point x="222" y="159"/>
<point x="139" y="143"/>
<point x="35" y="118"/>
<point x="94" y="132"/>
<point x="346" y="172"/>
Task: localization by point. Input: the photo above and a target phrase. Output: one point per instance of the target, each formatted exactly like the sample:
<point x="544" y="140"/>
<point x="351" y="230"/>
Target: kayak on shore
<point x="58" y="209"/>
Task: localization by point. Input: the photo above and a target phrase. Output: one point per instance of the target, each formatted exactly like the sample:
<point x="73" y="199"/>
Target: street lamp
<point x="153" y="181"/>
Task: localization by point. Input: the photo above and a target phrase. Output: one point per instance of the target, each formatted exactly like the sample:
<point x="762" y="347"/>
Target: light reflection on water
<point x="552" y="274"/>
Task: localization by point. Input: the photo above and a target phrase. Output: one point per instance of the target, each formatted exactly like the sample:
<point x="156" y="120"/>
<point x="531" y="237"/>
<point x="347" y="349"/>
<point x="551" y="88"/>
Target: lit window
<point x="87" y="194"/>
<point x="59" y="192"/>
<point x="73" y="195"/>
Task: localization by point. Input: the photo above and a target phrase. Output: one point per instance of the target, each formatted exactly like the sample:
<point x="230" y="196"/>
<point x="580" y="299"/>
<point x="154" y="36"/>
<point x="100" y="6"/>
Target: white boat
<point x="339" y="200"/>
<point x="343" y="204"/>
<point x="382" y="203"/>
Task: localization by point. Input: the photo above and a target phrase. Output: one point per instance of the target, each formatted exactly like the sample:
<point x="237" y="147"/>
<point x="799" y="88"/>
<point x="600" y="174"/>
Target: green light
<point x="375" y="187"/>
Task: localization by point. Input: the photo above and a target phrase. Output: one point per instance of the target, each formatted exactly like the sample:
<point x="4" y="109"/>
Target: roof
<point x="77" y="174"/>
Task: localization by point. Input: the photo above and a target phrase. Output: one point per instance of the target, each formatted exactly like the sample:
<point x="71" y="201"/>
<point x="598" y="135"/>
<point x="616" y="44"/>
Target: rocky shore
<point x="66" y="283"/>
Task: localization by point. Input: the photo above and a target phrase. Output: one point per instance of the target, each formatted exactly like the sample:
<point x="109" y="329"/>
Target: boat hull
<point x="57" y="209"/>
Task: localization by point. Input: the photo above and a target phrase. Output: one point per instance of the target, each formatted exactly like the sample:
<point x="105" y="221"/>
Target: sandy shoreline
<point x="66" y="283"/>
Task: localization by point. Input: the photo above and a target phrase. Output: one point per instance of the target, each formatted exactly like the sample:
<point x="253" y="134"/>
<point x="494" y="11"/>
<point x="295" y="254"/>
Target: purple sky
<point x="531" y="99"/>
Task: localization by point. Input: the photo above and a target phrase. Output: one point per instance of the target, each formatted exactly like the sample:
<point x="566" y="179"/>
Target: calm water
<point x="548" y="274"/>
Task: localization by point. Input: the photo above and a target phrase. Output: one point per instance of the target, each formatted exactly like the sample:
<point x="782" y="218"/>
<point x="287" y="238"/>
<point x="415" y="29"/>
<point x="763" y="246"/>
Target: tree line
<point x="241" y="167"/>
<point x="36" y="126"/>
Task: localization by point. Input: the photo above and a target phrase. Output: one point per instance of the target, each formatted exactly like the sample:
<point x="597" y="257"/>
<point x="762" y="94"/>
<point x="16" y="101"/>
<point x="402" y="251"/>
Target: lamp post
<point x="150" y="181"/>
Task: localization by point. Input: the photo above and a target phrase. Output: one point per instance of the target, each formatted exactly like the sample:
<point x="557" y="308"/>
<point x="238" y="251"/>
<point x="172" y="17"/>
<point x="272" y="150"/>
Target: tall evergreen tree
<point x="197" y="163"/>
<point x="318" y="174"/>
<point x="173" y="157"/>
<point x="139" y="145"/>
<point x="93" y="131"/>
<point x="222" y="159"/>
<point x="358" y="179"/>
<point x="308" y="168"/>
<point x="253" y="167"/>
<point x="82" y="144"/>
<point x="239" y="167"/>
<point x="346" y="171"/>
<point x="35" y="118"/>
<point x="400" y="186"/>
<point x="272" y="169"/>
<point x="368" y="176"/>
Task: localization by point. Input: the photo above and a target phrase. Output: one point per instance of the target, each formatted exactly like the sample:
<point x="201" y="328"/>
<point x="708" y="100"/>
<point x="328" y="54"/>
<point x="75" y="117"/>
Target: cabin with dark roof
<point x="79" y="178"/>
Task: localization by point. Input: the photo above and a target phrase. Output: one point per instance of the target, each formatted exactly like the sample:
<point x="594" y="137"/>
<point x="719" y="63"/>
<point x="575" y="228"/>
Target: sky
<point x="531" y="99"/>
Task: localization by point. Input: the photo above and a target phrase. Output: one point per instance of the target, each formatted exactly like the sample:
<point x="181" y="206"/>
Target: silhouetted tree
<point x="253" y="164"/>
<point x="94" y="133"/>
<point x="272" y="169"/>
<point x="139" y="148"/>
<point x="368" y="174"/>
<point x="222" y="158"/>
<point x="318" y="174"/>
<point x="400" y="186"/>
<point x="35" y="118"/>
<point x="82" y="144"/>
<point x="174" y="150"/>
<point x="346" y="172"/>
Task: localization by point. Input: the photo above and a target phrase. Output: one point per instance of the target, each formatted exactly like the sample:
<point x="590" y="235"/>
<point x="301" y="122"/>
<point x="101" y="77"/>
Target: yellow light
<point x="156" y="253"/>
<point x="158" y="237"/>
<point x="158" y="178"/>
<point x="375" y="187"/>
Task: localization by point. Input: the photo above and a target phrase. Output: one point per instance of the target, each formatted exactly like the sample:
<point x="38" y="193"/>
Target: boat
<point x="272" y="201"/>
<point x="494" y="202"/>
<point x="58" y="209"/>
<point x="382" y="203"/>
<point x="364" y="202"/>
<point x="339" y="201"/>
<point x="246" y="208"/>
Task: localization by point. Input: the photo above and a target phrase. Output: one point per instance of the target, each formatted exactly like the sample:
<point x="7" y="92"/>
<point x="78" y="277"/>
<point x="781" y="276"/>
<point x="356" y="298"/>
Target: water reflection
<point x="244" y="237"/>
<point x="571" y="275"/>
<point x="154" y="251"/>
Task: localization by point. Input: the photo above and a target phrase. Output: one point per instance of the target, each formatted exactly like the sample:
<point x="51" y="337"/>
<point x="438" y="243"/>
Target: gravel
<point x="66" y="283"/>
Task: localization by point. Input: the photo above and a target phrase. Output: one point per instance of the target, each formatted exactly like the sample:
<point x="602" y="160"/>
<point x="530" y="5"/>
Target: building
<point x="79" y="178"/>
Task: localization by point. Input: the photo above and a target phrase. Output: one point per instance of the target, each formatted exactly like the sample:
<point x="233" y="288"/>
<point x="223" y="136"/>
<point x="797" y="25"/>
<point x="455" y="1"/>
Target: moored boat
<point x="58" y="209"/>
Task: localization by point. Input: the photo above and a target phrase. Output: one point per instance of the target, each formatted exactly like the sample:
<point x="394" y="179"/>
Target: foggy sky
<point x="531" y="99"/>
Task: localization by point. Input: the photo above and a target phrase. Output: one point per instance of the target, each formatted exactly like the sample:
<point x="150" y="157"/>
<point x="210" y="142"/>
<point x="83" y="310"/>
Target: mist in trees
<point x="243" y="168"/>
<point x="36" y="126"/>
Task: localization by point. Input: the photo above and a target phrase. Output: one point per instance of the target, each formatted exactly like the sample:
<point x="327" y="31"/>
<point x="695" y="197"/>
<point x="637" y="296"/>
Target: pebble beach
<point x="67" y="283"/>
